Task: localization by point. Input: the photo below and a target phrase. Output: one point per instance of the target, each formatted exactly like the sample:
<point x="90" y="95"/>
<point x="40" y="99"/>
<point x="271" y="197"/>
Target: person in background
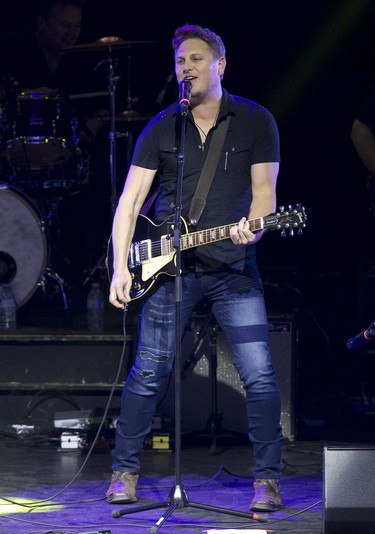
<point x="42" y="79"/>
<point x="37" y="58"/>
<point x="223" y="274"/>
<point x="363" y="139"/>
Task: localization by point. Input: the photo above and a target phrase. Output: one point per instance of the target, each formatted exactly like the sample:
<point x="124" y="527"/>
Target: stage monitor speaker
<point x="349" y="490"/>
<point x="197" y="388"/>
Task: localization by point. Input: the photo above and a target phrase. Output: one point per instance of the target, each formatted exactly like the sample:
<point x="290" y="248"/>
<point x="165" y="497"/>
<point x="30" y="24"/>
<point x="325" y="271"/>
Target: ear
<point x="221" y="65"/>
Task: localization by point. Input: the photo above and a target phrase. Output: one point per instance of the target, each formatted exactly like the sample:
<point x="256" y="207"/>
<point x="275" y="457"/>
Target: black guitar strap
<point x="198" y="201"/>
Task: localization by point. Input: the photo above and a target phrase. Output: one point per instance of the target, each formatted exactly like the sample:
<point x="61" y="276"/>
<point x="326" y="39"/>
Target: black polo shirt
<point x="252" y="137"/>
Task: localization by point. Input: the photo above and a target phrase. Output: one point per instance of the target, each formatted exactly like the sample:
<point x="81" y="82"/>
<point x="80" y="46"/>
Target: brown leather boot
<point x="122" y="488"/>
<point x="267" y="496"/>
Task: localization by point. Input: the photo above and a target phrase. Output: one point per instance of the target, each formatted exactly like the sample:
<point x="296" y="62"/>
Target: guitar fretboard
<point x="214" y="234"/>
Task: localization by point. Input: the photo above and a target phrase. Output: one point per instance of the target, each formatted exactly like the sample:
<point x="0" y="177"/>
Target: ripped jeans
<point x="240" y="311"/>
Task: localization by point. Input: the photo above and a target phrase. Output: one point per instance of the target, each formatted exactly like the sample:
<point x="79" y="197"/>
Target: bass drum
<point x="23" y="244"/>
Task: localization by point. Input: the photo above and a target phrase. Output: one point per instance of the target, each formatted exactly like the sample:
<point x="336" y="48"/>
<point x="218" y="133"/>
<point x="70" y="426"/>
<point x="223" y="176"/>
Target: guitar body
<point x="152" y="253"/>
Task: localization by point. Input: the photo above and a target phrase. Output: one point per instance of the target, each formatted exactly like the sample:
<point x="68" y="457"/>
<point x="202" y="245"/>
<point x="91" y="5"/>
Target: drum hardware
<point x="41" y="131"/>
<point x="107" y="44"/>
<point x="50" y="273"/>
<point x="112" y="83"/>
<point x="128" y="116"/>
<point x="81" y="96"/>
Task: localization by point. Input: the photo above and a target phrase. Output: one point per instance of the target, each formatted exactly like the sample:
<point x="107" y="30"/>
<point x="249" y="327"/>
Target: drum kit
<point x="42" y="162"/>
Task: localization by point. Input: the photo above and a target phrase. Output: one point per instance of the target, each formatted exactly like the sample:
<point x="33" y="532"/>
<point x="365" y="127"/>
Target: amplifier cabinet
<point x="199" y="393"/>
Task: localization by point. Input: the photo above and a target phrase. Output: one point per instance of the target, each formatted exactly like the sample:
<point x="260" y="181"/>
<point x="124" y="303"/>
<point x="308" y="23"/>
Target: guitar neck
<point x="211" y="235"/>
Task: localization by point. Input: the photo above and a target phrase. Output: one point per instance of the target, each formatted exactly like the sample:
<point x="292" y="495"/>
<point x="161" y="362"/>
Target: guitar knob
<point x="137" y="286"/>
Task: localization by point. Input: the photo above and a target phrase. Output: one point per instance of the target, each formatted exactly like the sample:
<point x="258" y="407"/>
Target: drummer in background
<point x="35" y="60"/>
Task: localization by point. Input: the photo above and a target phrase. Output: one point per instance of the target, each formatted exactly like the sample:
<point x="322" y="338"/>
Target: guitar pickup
<point x="134" y="258"/>
<point x="139" y="253"/>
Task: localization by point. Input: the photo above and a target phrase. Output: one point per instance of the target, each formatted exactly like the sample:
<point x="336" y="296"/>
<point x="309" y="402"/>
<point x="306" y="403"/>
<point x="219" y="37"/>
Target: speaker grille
<point x="197" y="385"/>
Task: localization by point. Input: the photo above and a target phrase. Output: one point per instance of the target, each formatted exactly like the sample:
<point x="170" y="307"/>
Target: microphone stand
<point x="177" y="496"/>
<point x="112" y="82"/>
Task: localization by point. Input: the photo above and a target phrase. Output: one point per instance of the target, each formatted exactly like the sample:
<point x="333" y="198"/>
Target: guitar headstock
<point x="289" y="219"/>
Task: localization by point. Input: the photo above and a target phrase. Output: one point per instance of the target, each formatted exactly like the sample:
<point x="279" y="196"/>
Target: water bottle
<point x="95" y="309"/>
<point x="8" y="308"/>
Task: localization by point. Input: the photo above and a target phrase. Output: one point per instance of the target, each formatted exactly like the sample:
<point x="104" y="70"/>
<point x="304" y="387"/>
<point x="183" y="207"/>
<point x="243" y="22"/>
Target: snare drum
<point x="41" y="131"/>
<point x="23" y="244"/>
<point x="56" y="180"/>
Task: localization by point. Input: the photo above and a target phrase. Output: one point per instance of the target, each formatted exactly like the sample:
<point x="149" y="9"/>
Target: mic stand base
<point x="178" y="499"/>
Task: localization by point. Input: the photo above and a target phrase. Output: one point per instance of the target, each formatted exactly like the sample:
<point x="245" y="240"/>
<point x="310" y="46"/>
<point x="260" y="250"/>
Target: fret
<point x="255" y="224"/>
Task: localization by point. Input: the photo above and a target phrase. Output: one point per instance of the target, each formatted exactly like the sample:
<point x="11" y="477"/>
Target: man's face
<point x="194" y="60"/>
<point x="61" y="28"/>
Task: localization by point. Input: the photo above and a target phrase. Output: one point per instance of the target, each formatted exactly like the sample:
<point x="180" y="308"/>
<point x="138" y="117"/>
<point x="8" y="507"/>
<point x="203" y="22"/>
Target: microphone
<point x="185" y="95"/>
<point x="163" y="92"/>
<point x="362" y="338"/>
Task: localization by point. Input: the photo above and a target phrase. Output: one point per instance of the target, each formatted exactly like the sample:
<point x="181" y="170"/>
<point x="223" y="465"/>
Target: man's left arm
<point x="263" y="180"/>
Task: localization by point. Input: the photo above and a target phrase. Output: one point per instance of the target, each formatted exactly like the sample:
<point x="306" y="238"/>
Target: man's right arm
<point x="364" y="143"/>
<point x="138" y="184"/>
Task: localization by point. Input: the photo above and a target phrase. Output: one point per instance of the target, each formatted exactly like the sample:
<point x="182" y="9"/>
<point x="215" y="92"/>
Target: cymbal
<point x="129" y="115"/>
<point x="48" y="91"/>
<point x="107" y="44"/>
<point x="88" y="95"/>
<point x="132" y="115"/>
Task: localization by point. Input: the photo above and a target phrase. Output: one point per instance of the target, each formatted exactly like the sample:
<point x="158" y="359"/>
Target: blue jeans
<point x="240" y="311"/>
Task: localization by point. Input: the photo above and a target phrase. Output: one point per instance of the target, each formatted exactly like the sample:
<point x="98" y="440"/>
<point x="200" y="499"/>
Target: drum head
<point x="37" y="152"/>
<point x="41" y="132"/>
<point x="23" y="244"/>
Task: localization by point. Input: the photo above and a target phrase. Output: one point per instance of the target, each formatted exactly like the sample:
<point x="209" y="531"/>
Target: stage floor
<point x="47" y="488"/>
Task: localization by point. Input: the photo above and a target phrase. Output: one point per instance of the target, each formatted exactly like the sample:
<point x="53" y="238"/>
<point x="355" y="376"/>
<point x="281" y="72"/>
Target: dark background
<point x="311" y="64"/>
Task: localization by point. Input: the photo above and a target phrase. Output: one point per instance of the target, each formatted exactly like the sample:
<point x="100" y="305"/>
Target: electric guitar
<point x="152" y="252"/>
